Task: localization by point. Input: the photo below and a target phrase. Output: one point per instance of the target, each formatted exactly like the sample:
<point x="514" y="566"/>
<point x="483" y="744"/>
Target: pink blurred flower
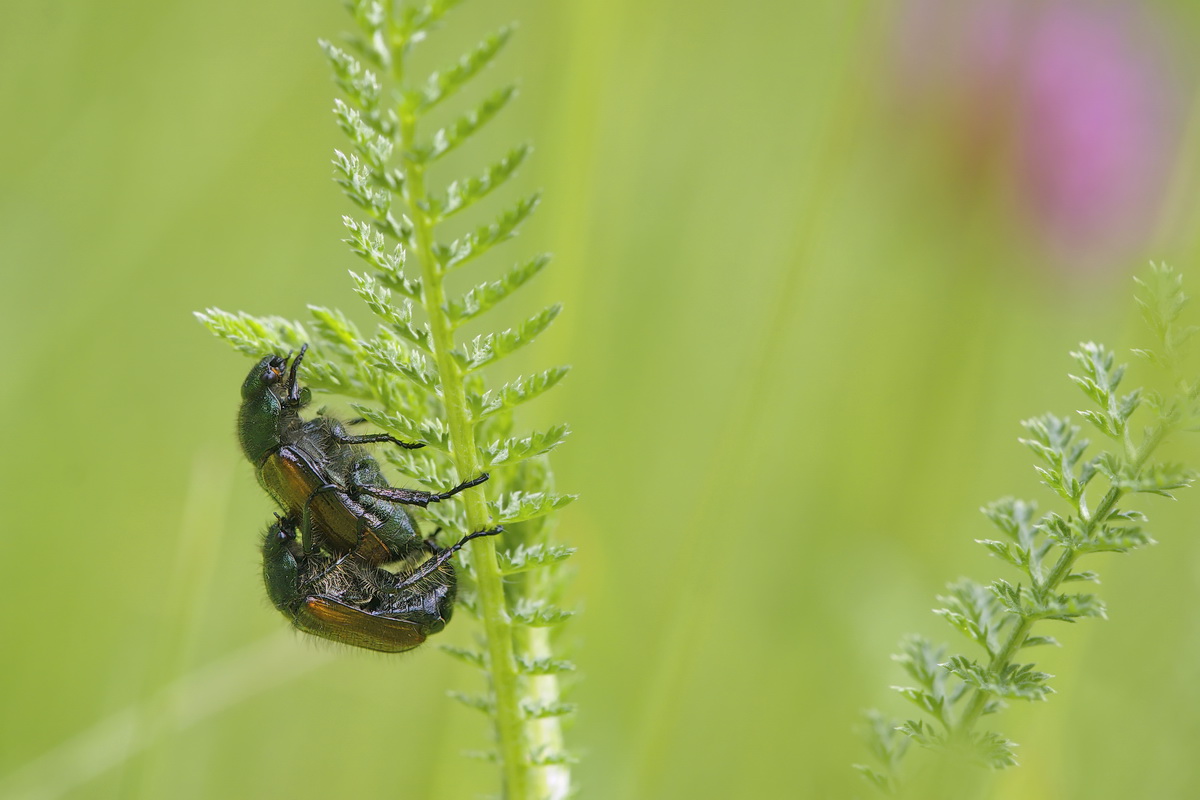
<point x="1069" y="98"/>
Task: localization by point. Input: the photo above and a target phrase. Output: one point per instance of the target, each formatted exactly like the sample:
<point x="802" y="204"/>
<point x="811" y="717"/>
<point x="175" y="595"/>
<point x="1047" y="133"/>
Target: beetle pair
<point x="342" y="521"/>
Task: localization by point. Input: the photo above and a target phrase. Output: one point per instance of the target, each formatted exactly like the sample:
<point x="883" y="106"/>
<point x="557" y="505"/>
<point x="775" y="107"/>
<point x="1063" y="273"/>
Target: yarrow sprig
<point x="955" y="692"/>
<point x="418" y="380"/>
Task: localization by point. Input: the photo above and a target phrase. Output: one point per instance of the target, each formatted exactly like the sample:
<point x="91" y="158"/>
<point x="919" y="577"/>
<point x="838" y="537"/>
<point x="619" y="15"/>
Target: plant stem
<point x="492" y="607"/>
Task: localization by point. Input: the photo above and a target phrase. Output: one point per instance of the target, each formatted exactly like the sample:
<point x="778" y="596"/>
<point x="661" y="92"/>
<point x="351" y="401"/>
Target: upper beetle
<point x="318" y="473"/>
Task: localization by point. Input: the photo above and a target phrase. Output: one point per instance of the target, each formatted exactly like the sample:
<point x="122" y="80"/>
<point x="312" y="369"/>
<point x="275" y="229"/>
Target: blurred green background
<point x="818" y="259"/>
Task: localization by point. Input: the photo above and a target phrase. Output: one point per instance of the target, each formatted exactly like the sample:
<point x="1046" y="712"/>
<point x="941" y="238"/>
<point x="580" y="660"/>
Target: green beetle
<point x="345" y="599"/>
<point x="320" y="475"/>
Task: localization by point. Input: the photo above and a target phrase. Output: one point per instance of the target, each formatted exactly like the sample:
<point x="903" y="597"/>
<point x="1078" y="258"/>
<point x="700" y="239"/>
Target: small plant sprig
<point x="955" y="692"/>
<point x="422" y="383"/>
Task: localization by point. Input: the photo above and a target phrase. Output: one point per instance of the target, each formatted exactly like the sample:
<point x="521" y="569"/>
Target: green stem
<point x="492" y="607"/>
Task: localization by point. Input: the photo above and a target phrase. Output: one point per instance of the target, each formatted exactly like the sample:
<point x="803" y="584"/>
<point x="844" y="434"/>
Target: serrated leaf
<point x="550" y="758"/>
<point x="254" y="336"/>
<point x="973" y="609"/>
<point x="444" y="83"/>
<point x="358" y="183"/>
<point x="333" y="327"/>
<point x="1160" y="479"/>
<point x="515" y="392"/>
<point x="359" y="84"/>
<point x="538" y="614"/>
<point x="1010" y="597"/>
<point x="420" y="465"/>
<point x="372" y="146"/>
<point x="512" y="450"/>
<point x="521" y="506"/>
<point x="484" y="238"/>
<point x="921" y="732"/>
<point x="453" y="135"/>
<point x="1162" y="299"/>
<point x="489" y="348"/>
<point x="524" y="558"/>
<point x="463" y="194"/>
<point x="1041" y="450"/>
<point x="923" y="662"/>
<point x="477" y="702"/>
<point x="995" y="750"/>
<point x="1102" y="422"/>
<point x="1100" y="369"/>
<point x="432" y="432"/>
<point x="1087" y="471"/>
<point x="1058" y="530"/>
<point x="413" y="20"/>
<point x="413" y="366"/>
<point x="1066" y="607"/>
<point x="1125" y="515"/>
<point x="371" y="19"/>
<point x="1056" y="443"/>
<point x="1086" y="575"/>
<point x="397" y="316"/>
<point x="449" y="517"/>
<point x="885" y="740"/>
<point x="1039" y="641"/>
<point x="1117" y="539"/>
<point x="1091" y="389"/>
<point x="1015" y="681"/>
<point x="368" y="244"/>
<point x="536" y="710"/>
<point x="877" y="778"/>
<point x="543" y="666"/>
<point x="923" y="700"/>
<point x="486" y="295"/>
<point x="1055" y="440"/>
<point x="1014" y="518"/>
<point x="1129" y="404"/>
<point x="1005" y="552"/>
<point x="332" y="376"/>
<point x="475" y="658"/>
<point x="1056" y="481"/>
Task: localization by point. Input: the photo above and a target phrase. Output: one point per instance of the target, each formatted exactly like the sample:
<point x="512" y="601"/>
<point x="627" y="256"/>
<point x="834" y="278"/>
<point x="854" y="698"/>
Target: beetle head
<point x="273" y="375"/>
<point x="281" y="571"/>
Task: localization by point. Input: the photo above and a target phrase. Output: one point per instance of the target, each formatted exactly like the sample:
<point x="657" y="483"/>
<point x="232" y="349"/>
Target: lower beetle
<point x="346" y="599"/>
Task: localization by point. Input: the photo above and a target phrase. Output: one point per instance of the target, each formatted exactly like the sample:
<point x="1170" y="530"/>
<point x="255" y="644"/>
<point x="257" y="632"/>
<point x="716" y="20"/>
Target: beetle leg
<point x="432" y="565"/>
<point x="374" y="437"/>
<point x="415" y="497"/>
<point x="306" y="524"/>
